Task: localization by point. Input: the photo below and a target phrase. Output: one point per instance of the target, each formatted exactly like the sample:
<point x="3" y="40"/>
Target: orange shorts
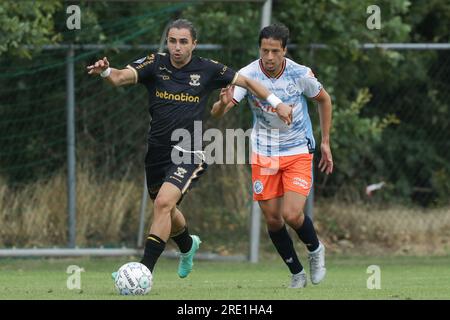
<point x="273" y="176"/>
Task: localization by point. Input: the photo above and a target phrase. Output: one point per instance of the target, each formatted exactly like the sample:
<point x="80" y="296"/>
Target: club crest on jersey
<point x="258" y="187"/>
<point x="194" y="80"/>
<point x="291" y="89"/>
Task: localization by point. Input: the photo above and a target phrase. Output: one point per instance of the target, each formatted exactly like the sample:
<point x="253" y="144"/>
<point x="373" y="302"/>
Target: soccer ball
<point x="133" y="278"/>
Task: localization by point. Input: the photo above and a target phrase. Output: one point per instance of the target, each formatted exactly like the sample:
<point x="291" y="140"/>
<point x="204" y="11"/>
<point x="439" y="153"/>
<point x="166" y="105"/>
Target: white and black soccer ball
<point x="133" y="278"/>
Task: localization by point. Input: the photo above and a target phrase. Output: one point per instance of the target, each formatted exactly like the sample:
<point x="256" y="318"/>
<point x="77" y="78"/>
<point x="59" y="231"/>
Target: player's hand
<point x="98" y="67"/>
<point x="326" y="162"/>
<point x="285" y="113"/>
<point x="226" y="95"/>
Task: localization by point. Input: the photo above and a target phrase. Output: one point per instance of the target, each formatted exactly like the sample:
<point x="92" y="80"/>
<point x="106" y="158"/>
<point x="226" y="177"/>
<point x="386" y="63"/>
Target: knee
<point x="163" y="204"/>
<point x="293" y="218"/>
<point x="274" y="220"/>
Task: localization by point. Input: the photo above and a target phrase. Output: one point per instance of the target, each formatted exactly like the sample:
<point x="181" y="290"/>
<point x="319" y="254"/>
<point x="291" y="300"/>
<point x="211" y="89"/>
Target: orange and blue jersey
<point x="270" y="135"/>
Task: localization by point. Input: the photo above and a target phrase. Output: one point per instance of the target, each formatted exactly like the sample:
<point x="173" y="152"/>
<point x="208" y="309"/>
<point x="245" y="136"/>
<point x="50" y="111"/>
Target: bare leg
<point x="164" y="203"/>
<point x="292" y="209"/>
<point x="178" y="222"/>
<point x="280" y="237"/>
<point x="272" y="213"/>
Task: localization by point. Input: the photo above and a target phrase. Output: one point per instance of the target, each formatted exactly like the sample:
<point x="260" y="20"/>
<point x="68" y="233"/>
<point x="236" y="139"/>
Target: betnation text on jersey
<point x="184" y="97"/>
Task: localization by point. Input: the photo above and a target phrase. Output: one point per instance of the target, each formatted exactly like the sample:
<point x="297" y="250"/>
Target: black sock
<point x="308" y="235"/>
<point x="154" y="246"/>
<point x="285" y="247"/>
<point x="183" y="240"/>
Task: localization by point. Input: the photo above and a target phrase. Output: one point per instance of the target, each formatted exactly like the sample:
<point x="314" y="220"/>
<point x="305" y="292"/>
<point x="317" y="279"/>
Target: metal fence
<point x="110" y="147"/>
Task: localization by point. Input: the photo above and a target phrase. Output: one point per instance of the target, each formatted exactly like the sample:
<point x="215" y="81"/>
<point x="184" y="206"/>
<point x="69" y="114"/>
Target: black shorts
<point x="183" y="175"/>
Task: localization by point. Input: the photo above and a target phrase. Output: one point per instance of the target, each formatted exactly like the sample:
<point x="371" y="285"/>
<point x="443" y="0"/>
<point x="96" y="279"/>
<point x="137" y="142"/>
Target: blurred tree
<point x="26" y="23"/>
<point x="391" y="121"/>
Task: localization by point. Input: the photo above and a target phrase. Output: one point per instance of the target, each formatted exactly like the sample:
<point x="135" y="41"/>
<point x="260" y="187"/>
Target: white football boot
<point x="298" y="280"/>
<point x="317" y="264"/>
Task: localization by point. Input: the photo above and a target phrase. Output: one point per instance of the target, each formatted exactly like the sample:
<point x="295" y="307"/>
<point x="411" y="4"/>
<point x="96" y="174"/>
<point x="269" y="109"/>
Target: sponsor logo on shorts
<point x="258" y="187"/>
<point x="302" y="183"/>
<point x="180" y="172"/>
<point x="175" y="178"/>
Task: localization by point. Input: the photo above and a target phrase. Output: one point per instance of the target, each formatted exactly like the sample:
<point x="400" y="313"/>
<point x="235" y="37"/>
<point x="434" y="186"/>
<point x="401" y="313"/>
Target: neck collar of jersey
<point x="278" y="75"/>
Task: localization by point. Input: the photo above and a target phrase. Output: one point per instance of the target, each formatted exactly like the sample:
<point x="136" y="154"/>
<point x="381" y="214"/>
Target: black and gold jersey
<point x="177" y="97"/>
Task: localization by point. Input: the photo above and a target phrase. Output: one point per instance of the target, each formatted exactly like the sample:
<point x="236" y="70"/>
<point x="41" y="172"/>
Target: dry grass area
<point x="390" y="230"/>
<point x="108" y="214"/>
<point x="108" y="210"/>
<point x="36" y="215"/>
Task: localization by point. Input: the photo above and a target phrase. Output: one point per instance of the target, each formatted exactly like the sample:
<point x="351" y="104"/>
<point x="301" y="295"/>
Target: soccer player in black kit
<point x="178" y="85"/>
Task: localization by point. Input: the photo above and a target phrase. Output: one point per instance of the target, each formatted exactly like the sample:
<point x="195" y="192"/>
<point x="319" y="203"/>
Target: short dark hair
<point x="276" y="32"/>
<point x="183" y="24"/>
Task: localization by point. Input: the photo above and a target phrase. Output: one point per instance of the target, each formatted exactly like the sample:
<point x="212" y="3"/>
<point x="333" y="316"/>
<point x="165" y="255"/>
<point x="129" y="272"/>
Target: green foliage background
<point x="390" y="116"/>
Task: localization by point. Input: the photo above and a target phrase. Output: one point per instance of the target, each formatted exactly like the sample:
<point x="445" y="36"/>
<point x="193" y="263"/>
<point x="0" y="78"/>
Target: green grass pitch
<point x="401" y="278"/>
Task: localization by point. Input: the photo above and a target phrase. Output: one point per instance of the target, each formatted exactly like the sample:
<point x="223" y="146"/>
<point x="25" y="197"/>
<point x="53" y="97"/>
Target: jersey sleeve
<point x="309" y="84"/>
<point x="222" y="76"/>
<point x="144" y="68"/>
<point x="239" y="92"/>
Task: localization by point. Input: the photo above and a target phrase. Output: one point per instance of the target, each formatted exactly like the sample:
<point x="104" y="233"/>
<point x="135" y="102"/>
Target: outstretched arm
<point x="325" y="108"/>
<point x="116" y="77"/>
<point x="283" y="110"/>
